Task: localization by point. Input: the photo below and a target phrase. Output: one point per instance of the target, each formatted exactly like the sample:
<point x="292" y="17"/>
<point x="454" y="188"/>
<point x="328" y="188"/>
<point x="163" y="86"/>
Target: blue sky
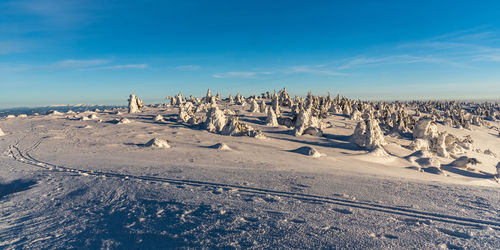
<point x="98" y="52"/>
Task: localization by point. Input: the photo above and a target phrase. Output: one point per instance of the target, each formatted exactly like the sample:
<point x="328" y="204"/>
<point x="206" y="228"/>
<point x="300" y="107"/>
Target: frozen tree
<point x="271" y="120"/>
<point x="215" y="121"/>
<point x="254" y="107"/>
<point x="133" y="104"/>
<point x="368" y="134"/>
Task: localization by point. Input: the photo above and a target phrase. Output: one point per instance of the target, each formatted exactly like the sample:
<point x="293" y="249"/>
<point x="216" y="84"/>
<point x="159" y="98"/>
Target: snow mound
<point x="420" y="144"/>
<point x="418" y="154"/>
<point x="89" y="117"/>
<point x="378" y="151"/>
<point x="313" y="131"/>
<point x="222" y="147"/>
<point x="430" y="165"/>
<point x="433" y="170"/>
<point x="157" y="143"/>
<point x="124" y="121"/>
<point x="464" y="161"/>
<point x="309" y="151"/>
<point x="54" y="112"/>
<point x="158" y="118"/>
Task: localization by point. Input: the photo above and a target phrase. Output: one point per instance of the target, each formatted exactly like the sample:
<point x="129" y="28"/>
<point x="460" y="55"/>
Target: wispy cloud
<point x="317" y="70"/>
<point x="461" y="47"/>
<point x="235" y="75"/>
<point x="118" y="67"/>
<point x="188" y="67"/>
<point x="71" y="63"/>
<point x="362" y="61"/>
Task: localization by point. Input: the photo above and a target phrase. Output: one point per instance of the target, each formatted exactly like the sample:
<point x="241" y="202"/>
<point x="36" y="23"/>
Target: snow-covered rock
<point x="157" y="143"/>
<point x="222" y="147"/>
<point x="464" y="162"/>
<point x="309" y="151"/>
<point x="158" y="118"/>
<point x="313" y="131"/>
<point x="124" y="121"/>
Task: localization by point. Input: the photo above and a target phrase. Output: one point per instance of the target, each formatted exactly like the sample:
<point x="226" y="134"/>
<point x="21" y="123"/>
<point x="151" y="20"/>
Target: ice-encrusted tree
<point x="271" y="120"/>
<point x="215" y="121"/>
<point x="368" y="134"/>
<point x="134" y="104"/>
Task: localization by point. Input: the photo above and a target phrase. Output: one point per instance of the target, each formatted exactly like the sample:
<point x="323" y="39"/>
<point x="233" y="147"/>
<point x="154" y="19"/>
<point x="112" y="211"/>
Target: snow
<point x="271" y="120"/>
<point x="70" y="183"/>
<point x="157" y="143"/>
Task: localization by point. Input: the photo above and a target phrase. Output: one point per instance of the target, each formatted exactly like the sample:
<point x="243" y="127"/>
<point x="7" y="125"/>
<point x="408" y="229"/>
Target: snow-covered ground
<point x="93" y="183"/>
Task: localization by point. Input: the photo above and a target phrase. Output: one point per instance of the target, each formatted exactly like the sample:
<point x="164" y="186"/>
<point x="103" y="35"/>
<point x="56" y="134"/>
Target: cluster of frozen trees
<point x="416" y="120"/>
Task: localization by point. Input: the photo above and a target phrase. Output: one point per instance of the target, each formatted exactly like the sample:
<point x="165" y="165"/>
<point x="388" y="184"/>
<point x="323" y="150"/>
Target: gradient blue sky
<point x="70" y="52"/>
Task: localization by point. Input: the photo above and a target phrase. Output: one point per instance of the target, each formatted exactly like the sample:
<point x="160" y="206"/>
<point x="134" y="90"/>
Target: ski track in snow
<point x="24" y="156"/>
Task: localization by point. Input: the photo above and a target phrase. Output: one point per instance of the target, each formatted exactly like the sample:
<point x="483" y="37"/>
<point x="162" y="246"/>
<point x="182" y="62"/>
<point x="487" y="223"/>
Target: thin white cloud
<point x="396" y="59"/>
<point x="71" y="63"/>
<point x="458" y="48"/>
<point x="358" y="61"/>
<point x="314" y="70"/>
<point x="489" y="57"/>
<point x="128" y="66"/>
<point x="188" y="67"/>
<point x="119" y="67"/>
<point x="235" y="75"/>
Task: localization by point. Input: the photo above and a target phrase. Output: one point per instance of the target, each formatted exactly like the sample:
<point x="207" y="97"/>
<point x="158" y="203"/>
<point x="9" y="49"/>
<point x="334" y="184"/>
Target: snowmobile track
<point x="25" y="157"/>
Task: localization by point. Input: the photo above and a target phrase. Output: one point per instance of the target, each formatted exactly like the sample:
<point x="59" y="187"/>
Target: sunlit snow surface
<point x="76" y="183"/>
